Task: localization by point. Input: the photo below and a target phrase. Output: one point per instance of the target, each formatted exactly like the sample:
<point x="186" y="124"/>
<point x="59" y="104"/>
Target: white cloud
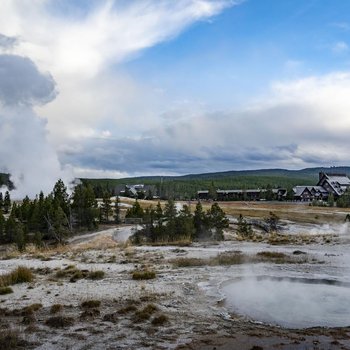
<point x="81" y="51"/>
<point x="340" y="47"/>
<point x="299" y="123"/>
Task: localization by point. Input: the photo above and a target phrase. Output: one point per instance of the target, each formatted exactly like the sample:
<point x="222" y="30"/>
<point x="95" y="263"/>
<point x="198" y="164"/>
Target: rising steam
<point x="24" y="150"/>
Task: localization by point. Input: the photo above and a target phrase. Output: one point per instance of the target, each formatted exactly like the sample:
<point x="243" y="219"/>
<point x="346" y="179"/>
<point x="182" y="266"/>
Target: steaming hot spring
<point x="290" y="302"/>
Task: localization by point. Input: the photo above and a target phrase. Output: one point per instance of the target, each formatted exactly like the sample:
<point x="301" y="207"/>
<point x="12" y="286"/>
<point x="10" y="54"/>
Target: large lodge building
<point x="335" y="184"/>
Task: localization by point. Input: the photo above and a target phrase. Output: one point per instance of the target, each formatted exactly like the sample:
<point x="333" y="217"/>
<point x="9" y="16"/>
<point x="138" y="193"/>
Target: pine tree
<point x="7" y="202"/>
<point x="1" y="201"/>
<point x="217" y="221"/>
<point x="106" y="207"/>
<point x="199" y="220"/>
<point x="2" y="227"/>
<point x="61" y="197"/>
<point x="117" y="210"/>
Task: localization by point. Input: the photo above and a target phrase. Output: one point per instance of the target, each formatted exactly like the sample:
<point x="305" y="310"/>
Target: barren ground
<point x="183" y="307"/>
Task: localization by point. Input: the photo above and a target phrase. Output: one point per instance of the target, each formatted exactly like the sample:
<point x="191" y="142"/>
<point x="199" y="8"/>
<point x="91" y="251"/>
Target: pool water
<point x="291" y="303"/>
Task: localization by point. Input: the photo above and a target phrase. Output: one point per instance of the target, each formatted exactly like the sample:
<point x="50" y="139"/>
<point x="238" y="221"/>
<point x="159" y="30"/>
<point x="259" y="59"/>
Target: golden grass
<point x="19" y="275"/>
<point x="237" y="258"/>
<point x="143" y="275"/>
<point x="98" y="243"/>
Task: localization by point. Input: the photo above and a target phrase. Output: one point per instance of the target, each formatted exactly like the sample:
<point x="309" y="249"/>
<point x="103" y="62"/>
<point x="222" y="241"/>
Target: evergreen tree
<point x="2" y="227"/>
<point x="169" y="216"/>
<point x="84" y="206"/>
<point x="117" y="210"/>
<point x="106" y="207"/>
<point x="7" y="202"/>
<point x="217" y="221"/>
<point x="272" y="222"/>
<point x="330" y="200"/>
<point x="135" y="211"/>
<point x="199" y="220"/>
<point x="61" y="197"/>
<point x="1" y="201"/>
<point x="243" y="228"/>
<point x="19" y="236"/>
<point x="184" y="224"/>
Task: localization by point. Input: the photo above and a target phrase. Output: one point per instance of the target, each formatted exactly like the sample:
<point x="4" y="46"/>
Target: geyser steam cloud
<point x="24" y="150"/>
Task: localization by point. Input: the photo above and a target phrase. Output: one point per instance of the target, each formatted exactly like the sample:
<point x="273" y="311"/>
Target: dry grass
<point x="237" y="258"/>
<point x="56" y="308"/>
<point x="127" y="309"/>
<point x="160" y="320"/>
<point x="9" y="340"/>
<point x="272" y="255"/>
<point x="5" y="290"/>
<point x="98" y="243"/>
<point x="96" y="275"/>
<point x="75" y="274"/>
<point x="89" y="304"/>
<point x="179" y="243"/>
<point x="19" y="275"/>
<point x="300" y="212"/>
<point x="189" y="262"/>
<point x="30" y="309"/>
<point x="59" y="321"/>
<point x="145" y="313"/>
<point x="143" y="275"/>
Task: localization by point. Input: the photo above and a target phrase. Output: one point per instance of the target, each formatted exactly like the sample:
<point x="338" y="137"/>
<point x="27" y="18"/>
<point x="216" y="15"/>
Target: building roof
<point x="338" y="182"/>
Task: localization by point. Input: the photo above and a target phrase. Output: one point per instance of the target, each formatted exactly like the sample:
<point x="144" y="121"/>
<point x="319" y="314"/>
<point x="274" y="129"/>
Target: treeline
<point x="48" y="218"/>
<point x="186" y="188"/>
<point x="172" y="225"/>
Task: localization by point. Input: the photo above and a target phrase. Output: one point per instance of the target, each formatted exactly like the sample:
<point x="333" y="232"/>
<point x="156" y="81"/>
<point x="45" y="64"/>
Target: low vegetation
<point x="170" y="225"/>
<point x="90" y="304"/>
<point x="160" y="320"/>
<point x="74" y="274"/>
<point x="145" y="313"/>
<point x="96" y="275"/>
<point x="19" y="275"/>
<point x="56" y="308"/>
<point x="236" y="258"/>
<point x="5" y="290"/>
<point x="9" y="340"/>
<point x="143" y="275"/>
<point x="59" y="321"/>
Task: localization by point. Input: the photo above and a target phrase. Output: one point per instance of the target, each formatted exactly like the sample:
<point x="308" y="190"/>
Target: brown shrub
<point x="143" y="275"/>
<point x="160" y="320"/>
<point x="55" y="308"/>
<point x="60" y="321"/>
<point x="90" y="304"/>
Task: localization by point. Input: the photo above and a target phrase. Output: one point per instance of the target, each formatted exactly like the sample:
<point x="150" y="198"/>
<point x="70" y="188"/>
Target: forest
<point x="50" y="218"/>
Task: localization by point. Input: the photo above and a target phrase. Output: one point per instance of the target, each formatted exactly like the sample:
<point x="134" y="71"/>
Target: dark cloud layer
<point x="21" y="83"/>
<point x="221" y="141"/>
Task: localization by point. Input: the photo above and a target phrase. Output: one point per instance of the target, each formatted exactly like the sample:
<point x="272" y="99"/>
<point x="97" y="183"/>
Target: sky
<point x="114" y="88"/>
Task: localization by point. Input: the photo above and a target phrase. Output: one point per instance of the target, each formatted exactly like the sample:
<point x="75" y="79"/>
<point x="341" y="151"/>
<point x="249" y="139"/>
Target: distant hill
<point x="186" y="186"/>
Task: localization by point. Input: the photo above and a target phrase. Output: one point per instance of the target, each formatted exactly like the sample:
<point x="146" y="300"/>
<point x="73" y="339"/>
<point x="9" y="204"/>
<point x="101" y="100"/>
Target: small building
<point x="245" y="195"/>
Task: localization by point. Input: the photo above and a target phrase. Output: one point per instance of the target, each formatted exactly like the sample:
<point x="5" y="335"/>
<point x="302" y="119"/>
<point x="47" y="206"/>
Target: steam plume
<point x="24" y="150"/>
